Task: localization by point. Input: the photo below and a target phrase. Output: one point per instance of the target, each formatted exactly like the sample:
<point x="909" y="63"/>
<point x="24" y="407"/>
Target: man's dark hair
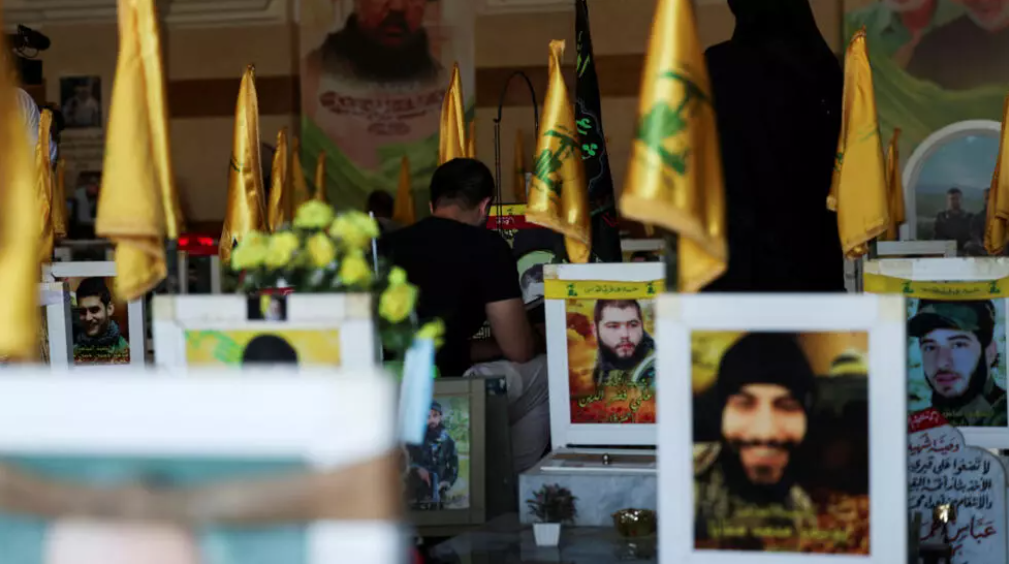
<point x="90" y="287"/>
<point x="954" y="190"/>
<point x="381" y="204"/>
<point x="269" y="349"/>
<point x="601" y="305"/>
<point x="766" y="358"/>
<point x="463" y="182"/>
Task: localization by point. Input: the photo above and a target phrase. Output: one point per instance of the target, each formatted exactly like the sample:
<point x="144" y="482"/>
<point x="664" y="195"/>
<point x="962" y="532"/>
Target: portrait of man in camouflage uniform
<point x="959" y="356"/>
<point x="434" y="465"/>
<point x="746" y="494"/>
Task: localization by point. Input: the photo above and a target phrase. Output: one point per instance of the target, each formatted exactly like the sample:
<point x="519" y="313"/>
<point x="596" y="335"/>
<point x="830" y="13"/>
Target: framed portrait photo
<point x="601" y="349"/>
<point x="956" y="339"/>
<point x="104" y="328"/>
<point x="212" y="469"/>
<point x="234" y="330"/>
<point x="782" y="429"/>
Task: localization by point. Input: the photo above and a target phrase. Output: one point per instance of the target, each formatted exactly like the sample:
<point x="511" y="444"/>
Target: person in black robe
<point x="777" y="91"/>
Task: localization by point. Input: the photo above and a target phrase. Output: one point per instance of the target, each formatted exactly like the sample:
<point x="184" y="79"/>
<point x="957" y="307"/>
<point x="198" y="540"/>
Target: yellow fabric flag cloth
<point x="997" y="210"/>
<point x="675" y="175"/>
<point x="320" y="178"/>
<point x="44" y="187"/>
<point x="519" y="180"/>
<point x="859" y="192"/>
<point x="895" y="188"/>
<point x="452" y="128"/>
<point x="19" y="228"/>
<point x="280" y="184"/>
<point x="558" y="198"/>
<point x="301" y="193"/>
<point x="404" y="211"/>
<point x="471" y="140"/>
<point x="132" y="208"/>
<point x="60" y="200"/>
<point x="246" y="211"/>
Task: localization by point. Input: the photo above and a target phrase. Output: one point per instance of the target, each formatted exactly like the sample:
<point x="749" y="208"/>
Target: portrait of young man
<point x="959" y="358"/>
<point x="97" y="336"/>
<point x="745" y="484"/>
<point x="625" y="347"/>
<point x="434" y="465"/>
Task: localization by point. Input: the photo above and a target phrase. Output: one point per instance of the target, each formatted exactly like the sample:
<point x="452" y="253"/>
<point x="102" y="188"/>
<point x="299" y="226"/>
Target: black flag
<point x="589" y="118"/>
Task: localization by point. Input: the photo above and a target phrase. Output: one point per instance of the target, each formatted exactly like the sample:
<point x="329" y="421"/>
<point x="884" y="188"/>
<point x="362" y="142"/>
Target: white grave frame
<point x="563" y="432"/>
<point x="54" y="297"/>
<point x="135" y="414"/>
<point x="137" y="337"/>
<point x="881" y="316"/>
<point x="981" y="269"/>
<point x="350" y="314"/>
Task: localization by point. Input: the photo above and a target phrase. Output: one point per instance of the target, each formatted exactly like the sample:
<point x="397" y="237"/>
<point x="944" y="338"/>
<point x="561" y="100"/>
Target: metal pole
<point x="497" y="133"/>
<point x="672" y="254"/>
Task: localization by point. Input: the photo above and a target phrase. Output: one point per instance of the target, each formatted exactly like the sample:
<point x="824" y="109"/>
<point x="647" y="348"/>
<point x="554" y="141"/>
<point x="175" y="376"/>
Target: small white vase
<point x="547" y="534"/>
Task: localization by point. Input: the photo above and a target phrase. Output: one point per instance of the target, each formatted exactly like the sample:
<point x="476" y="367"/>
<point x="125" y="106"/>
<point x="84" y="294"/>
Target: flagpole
<point x="671" y="255"/>
<point x="172" y="283"/>
<point x="497" y="132"/>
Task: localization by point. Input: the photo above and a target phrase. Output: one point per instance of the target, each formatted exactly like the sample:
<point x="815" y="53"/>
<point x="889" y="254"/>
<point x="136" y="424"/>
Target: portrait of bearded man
<point x="624" y="344"/>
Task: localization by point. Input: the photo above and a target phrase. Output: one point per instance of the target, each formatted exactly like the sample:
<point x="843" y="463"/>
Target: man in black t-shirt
<point x="467" y="275"/>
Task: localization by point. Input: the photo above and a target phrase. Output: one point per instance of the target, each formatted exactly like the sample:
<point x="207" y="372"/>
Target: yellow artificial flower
<point x="313" y="215"/>
<point x="397" y="302"/>
<point x="434" y="330"/>
<point x="355" y="229"/>
<point x="281" y="249"/>
<point x="250" y="253"/>
<point x="355" y="271"/>
<point x="321" y="250"/>
<point x="397" y="276"/>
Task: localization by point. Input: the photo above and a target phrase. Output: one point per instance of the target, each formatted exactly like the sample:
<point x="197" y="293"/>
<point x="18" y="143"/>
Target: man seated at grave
<point x="467" y="275"/>
<point x="747" y="496"/>
<point x="959" y="356"/>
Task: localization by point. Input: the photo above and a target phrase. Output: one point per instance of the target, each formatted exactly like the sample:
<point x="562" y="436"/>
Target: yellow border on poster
<point x="951" y="291"/>
<point x="602" y="289"/>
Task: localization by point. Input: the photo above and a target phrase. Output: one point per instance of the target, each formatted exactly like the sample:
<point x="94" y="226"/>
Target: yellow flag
<point x="137" y="186"/>
<point x="60" y="200"/>
<point x="44" y="187"/>
<point x="558" y="198"/>
<point x="320" y="178"/>
<point x="519" y="180"/>
<point x="452" y="128"/>
<point x="301" y="193"/>
<point x="404" y="212"/>
<point x="280" y="184"/>
<point x="859" y="191"/>
<point x="471" y="140"/>
<point x="997" y="210"/>
<point x="895" y="188"/>
<point x="675" y="176"/>
<point x="19" y="226"/>
<point x="245" y="211"/>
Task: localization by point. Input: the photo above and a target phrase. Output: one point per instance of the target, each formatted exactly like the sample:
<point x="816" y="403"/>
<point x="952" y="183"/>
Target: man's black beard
<point x="433" y="433"/>
<point x="738" y="481"/>
<point x="974" y="389"/>
<point x="373" y="61"/>
<point x="610" y="360"/>
<point x="106" y="338"/>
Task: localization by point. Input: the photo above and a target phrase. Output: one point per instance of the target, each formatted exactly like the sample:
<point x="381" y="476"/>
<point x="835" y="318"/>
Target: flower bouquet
<point x="324" y="252"/>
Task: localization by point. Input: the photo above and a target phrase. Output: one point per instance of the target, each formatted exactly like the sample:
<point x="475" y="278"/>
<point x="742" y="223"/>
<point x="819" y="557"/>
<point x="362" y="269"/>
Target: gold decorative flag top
<point x="60" y="200"/>
<point x="280" y="185"/>
<point x="19" y="228"/>
<point x="452" y="129"/>
<point x="320" y="178"/>
<point x="895" y="188"/>
<point x="137" y="182"/>
<point x="997" y="210"/>
<point x="558" y="197"/>
<point x="519" y="180"/>
<point x="245" y="211"/>
<point x="301" y="193"/>
<point x="471" y="140"/>
<point x="859" y="192"/>
<point x="675" y="175"/>
<point x="404" y="211"/>
<point x="44" y="187"/>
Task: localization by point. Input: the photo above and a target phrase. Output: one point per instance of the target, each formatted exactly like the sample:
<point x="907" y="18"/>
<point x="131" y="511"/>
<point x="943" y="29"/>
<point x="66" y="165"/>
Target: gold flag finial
<point x="997" y="206"/>
<point x="60" y="200"/>
<point x="404" y="210"/>
<point x="246" y="210"/>
<point x="895" y="188"/>
<point x="452" y="128"/>
<point x="44" y="187"/>
<point x="675" y="178"/>
<point x="280" y="184"/>
<point x="859" y="192"/>
<point x="320" y="178"/>
<point x="558" y="197"/>
<point x="301" y="193"/>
